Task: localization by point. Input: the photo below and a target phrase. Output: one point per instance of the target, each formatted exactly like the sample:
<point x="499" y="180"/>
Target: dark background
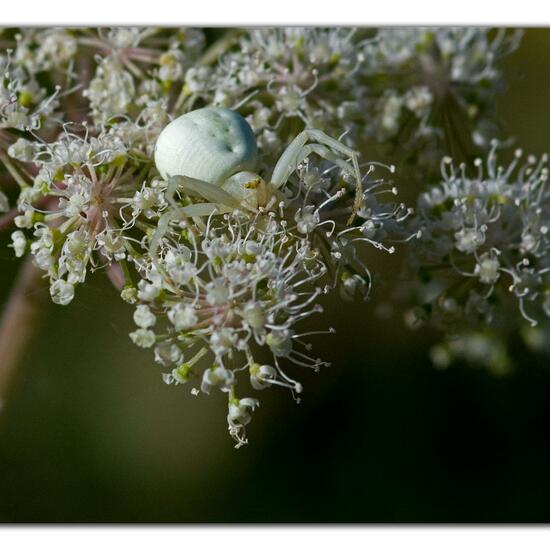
<point x="91" y="434"/>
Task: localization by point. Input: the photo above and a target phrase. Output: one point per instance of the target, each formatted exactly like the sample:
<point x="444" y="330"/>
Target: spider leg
<point x="205" y="209"/>
<point x="164" y="221"/>
<point x="326" y="147"/>
<point x="325" y="153"/>
<point x="204" y="190"/>
<point x="288" y="161"/>
<point x="323" y="139"/>
<point x="220" y="202"/>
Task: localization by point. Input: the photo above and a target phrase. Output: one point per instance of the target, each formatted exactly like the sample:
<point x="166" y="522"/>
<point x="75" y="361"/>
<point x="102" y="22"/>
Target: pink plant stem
<point x="6" y="220"/>
<point x="116" y="276"/>
<point x="19" y="320"/>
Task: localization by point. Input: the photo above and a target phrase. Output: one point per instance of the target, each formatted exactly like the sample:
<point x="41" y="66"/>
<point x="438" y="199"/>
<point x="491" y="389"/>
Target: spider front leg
<point x="221" y="202"/>
<point x="326" y="147"/>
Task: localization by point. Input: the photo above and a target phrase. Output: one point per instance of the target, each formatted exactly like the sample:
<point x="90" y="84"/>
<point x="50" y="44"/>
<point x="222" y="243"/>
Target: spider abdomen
<point x="209" y="144"/>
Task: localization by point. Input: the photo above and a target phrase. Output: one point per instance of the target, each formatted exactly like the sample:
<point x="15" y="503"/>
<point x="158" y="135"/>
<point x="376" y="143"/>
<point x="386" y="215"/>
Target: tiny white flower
<point x="25" y="220"/>
<point x="182" y="317"/>
<point x="62" y="292"/>
<point x="222" y="340"/>
<point x="352" y="286"/>
<point x="280" y="342"/>
<point x="167" y="354"/>
<point x="147" y="291"/>
<point x="22" y="149"/>
<point x="240" y="412"/>
<point x="112" y="245"/>
<point x="307" y="219"/>
<point x="217" y="376"/>
<point x="255" y="316"/>
<point x="144" y="338"/>
<point x="19" y="243"/>
<point x="144" y="317"/>
<point x="180" y="269"/>
<point x="217" y="293"/>
<point x="129" y="294"/>
<point x="261" y="376"/>
<point x="487" y="269"/>
<point x="469" y="239"/>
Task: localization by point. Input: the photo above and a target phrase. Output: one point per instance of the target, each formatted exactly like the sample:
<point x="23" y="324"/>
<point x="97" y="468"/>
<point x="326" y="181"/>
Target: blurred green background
<point x="91" y="433"/>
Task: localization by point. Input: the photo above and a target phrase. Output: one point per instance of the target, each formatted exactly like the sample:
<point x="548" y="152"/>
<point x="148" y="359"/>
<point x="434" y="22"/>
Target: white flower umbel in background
<point x="139" y="71"/>
<point x="415" y="90"/>
<point x="284" y="78"/>
<point x="485" y="246"/>
<point x="238" y="261"/>
<point x="24" y="104"/>
<point x="431" y="91"/>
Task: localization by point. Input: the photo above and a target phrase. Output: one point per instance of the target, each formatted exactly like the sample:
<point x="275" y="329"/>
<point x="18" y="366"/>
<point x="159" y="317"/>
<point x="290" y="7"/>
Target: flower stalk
<point x="19" y="321"/>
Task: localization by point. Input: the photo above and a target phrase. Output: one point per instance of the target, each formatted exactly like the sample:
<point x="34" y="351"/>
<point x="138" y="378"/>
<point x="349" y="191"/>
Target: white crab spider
<point x="212" y="153"/>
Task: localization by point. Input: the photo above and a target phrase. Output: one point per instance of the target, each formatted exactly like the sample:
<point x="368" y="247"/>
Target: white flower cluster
<point x="139" y="72"/>
<point x="137" y="83"/>
<point x="223" y="289"/>
<point x="283" y="79"/>
<point x="222" y="271"/>
<point x="45" y="50"/>
<point x="485" y="244"/>
<point x="413" y="88"/>
<point x="86" y="181"/>
<point x="24" y="104"/>
<point x="242" y="286"/>
<point x="86" y="197"/>
<point x="435" y="86"/>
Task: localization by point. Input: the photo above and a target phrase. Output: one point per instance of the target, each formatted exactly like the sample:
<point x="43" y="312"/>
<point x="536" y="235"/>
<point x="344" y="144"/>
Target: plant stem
<point x="6" y="220"/>
<point x="6" y="161"/>
<point x="19" y="320"/>
<point x="116" y="276"/>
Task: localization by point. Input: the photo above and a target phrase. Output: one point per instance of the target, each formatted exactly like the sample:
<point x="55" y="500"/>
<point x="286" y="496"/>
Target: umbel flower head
<point x="290" y="74"/>
<point x="397" y="87"/>
<point x="431" y="90"/>
<point x="246" y="283"/>
<point x="222" y="284"/>
<point x="86" y="197"/>
<point x="24" y="103"/>
<point x="139" y="71"/>
<point x="485" y="244"/>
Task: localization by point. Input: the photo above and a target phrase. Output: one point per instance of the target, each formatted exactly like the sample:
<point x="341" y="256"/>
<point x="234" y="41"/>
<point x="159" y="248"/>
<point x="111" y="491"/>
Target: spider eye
<point x="253" y="184"/>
